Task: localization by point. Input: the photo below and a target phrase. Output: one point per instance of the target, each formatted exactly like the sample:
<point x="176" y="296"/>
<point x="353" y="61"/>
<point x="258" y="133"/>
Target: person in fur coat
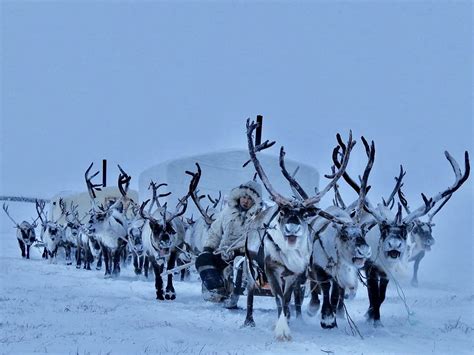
<point x="226" y="240"/>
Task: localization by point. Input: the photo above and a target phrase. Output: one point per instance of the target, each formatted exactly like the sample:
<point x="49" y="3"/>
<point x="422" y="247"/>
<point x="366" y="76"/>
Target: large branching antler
<point x="398" y="185"/>
<point x="123" y="181"/>
<point x="5" y="208"/>
<point x="193" y="193"/>
<point x="275" y="196"/>
<point x="293" y="183"/>
<point x="364" y="187"/>
<point x="335" y="176"/>
<point x="40" y="205"/>
<point x="215" y="201"/>
<point x="156" y="196"/>
<point x="91" y="187"/>
<point x="446" y="194"/>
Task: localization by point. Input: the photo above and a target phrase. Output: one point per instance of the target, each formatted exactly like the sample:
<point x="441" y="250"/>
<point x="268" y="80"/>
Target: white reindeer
<point x="421" y="235"/>
<point x="109" y="225"/>
<point x="339" y="252"/>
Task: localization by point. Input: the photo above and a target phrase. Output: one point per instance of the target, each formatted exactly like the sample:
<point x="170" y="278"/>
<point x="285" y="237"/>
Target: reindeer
<point x="421" y="235"/>
<point x="25" y="233"/>
<point x="339" y="252"/>
<point x="52" y="233"/>
<point x="135" y="244"/>
<point x="389" y="242"/>
<point x="278" y="243"/>
<point x="109" y="225"/>
<point x="71" y="230"/>
<point x="162" y="234"/>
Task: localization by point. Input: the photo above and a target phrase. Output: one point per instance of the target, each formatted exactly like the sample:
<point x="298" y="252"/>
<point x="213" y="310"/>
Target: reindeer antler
<point x="92" y="188"/>
<point x="276" y="197"/>
<point x="446" y="194"/>
<point x="335" y="176"/>
<point x="123" y="181"/>
<point x="5" y="208"/>
<point x="193" y="193"/>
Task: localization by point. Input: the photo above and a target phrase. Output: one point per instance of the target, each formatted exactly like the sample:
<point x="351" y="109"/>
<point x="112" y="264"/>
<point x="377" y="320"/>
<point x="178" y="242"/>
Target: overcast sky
<point x="138" y="83"/>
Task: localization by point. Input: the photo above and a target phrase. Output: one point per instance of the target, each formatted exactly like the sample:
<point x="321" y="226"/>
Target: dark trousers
<point x="210" y="267"/>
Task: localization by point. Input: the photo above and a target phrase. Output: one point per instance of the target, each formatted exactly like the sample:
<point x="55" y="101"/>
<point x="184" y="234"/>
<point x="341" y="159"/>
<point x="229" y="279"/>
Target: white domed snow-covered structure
<point x="222" y="171"/>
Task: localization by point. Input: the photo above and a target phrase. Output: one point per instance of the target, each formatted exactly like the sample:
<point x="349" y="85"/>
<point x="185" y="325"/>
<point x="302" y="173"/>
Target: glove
<point x="227" y="256"/>
<point x="208" y="249"/>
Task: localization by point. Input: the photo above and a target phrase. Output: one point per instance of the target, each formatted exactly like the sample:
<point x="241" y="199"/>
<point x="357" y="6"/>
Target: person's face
<point x="246" y="202"/>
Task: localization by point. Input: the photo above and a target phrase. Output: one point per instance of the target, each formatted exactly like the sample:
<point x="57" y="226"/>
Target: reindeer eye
<point x="344" y="237"/>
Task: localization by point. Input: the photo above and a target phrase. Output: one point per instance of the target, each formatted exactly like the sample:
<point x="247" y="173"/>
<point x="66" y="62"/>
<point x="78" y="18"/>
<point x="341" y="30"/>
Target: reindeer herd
<point x="290" y="243"/>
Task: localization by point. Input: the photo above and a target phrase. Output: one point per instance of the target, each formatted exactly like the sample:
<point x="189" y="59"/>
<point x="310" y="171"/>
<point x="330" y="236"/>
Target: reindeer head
<point x="163" y="233"/>
<point x="27" y="232"/>
<point x="135" y="239"/>
<point x="351" y="244"/>
<point x="422" y="234"/>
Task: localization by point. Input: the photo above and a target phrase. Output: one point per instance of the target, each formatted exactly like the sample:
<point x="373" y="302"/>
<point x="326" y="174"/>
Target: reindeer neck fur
<point x="296" y="258"/>
<point x="326" y="256"/>
<point x="112" y="230"/>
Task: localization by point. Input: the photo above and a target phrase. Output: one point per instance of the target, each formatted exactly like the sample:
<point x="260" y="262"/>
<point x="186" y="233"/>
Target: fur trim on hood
<point x="250" y="188"/>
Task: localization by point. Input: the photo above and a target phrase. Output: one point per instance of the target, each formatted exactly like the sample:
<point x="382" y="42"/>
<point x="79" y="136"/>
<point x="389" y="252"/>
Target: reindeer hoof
<point x="78" y="266"/>
<point x="369" y="315"/>
<point x="170" y="295"/>
<point x="249" y="323"/>
<point x="328" y="322"/>
<point x="414" y="283"/>
<point x="378" y="324"/>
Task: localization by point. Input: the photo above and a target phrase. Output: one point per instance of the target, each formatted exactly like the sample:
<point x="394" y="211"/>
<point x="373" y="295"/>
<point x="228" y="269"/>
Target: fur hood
<point x="252" y="189"/>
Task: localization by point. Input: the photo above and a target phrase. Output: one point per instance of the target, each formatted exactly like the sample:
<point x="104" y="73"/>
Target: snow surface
<point x="54" y="308"/>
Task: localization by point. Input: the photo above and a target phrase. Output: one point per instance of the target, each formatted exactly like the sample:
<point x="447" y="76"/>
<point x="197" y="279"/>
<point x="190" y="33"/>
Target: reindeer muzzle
<point x="358" y="262"/>
<point x="394" y="254"/>
<point x="291" y="239"/>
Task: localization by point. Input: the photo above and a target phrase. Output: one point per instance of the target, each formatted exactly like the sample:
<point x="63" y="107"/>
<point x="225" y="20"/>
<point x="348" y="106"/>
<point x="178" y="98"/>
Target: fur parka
<point x="229" y="229"/>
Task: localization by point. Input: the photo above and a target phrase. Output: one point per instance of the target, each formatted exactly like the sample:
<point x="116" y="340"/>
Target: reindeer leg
<point x="28" y="251"/>
<point x="373" y="313"/>
<point x="334" y="296"/>
<point x="314" y="303"/>
<point x="45" y="254"/>
<point x="158" y="269"/>
<point x="282" y="330"/>
<point x="170" y="294"/>
<point x="107" y="258"/>
<point x="416" y="265"/>
<point x="328" y="319"/>
<point x="67" y="248"/>
<point x="249" y="322"/>
<point x="299" y="294"/>
<point x="135" y="264"/>
<point x="78" y="257"/>
<point x="99" y="261"/>
<point x="116" y="262"/>
<point x="340" y="303"/>
<point x="146" y="265"/>
<point x="22" y="248"/>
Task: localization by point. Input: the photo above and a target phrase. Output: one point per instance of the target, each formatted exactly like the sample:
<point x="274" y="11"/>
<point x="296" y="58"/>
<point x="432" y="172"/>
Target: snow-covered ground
<point x="54" y="308"/>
